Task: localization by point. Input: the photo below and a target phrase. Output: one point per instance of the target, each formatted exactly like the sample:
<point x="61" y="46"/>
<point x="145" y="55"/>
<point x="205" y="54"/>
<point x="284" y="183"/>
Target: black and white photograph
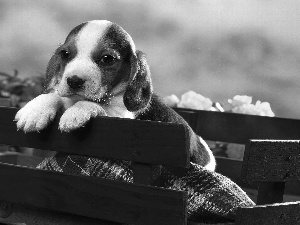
<point x="149" y="112"/>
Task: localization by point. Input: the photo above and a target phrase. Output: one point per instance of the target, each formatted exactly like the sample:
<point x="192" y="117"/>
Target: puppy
<point x="99" y="72"/>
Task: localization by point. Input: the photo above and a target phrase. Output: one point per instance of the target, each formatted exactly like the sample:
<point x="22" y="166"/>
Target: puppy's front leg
<point x="38" y="113"/>
<point x="79" y="114"/>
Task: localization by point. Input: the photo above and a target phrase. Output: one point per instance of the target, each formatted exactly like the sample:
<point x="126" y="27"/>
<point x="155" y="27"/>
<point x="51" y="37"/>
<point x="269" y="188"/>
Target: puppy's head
<point x="97" y="62"/>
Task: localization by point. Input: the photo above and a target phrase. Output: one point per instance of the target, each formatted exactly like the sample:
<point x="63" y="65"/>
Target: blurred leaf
<point x="20" y="89"/>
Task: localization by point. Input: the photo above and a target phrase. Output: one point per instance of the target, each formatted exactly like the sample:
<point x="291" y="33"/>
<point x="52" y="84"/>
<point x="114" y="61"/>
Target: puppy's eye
<point x="108" y="60"/>
<point x="65" y="54"/>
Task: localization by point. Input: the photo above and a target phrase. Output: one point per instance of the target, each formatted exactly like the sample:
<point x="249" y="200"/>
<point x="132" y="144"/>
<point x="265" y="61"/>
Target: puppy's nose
<point x="75" y="82"/>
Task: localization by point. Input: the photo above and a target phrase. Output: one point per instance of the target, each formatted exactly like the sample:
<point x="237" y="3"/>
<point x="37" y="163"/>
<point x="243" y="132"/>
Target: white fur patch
<point x="79" y="114"/>
<point x="82" y="65"/>
<point x="116" y="108"/>
<point x="211" y="165"/>
<point x="107" y="23"/>
<point x="88" y="38"/>
<point x="38" y="113"/>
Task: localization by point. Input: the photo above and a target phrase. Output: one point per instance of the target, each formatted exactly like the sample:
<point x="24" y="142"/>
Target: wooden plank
<point x="284" y="213"/>
<point x="92" y="197"/>
<point x="252" y="193"/>
<point x="190" y="116"/>
<point x="292" y="188"/>
<point x="9" y="157"/>
<point x="196" y="223"/>
<point x="232" y="169"/>
<point x="27" y="216"/>
<point x="134" y="140"/>
<point x="28" y="160"/>
<point x="21" y="159"/>
<point x="271" y="160"/>
<point x="23" y="215"/>
<point x="142" y="173"/>
<point x="238" y="128"/>
<point x="270" y="192"/>
<point x="5" y="209"/>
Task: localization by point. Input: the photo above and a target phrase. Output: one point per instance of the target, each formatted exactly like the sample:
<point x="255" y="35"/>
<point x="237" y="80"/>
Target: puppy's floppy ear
<point x="139" y="89"/>
<point x="52" y="72"/>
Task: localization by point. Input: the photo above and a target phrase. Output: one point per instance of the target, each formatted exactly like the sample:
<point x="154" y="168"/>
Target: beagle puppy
<point x="99" y="72"/>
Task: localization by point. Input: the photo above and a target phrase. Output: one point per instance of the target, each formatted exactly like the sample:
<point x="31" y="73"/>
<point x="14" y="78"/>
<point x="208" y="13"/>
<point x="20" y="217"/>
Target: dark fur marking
<point x="139" y="90"/>
<point x="114" y="38"/>
<point x="158" y="111"/>
<point x="117" y="38"/>
<point x="75" y="31"/>
<point x="53" y="68"/>
<point x="56" y="65"/>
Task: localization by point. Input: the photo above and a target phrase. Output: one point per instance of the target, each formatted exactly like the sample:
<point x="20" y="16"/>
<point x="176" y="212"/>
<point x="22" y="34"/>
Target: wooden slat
<point x="21" y="159"/>
<point x="196" y="223"/>
<point x="5" y="209"/>
<point x="92" y="197"/>
<point x="232" y="168"/>
<point x="9" y="157"/>
<point x="190" y="116"/>
<point x="140" y="141"/>
<point x="239" y="128"/>
<point x="270" y="160"/>
<point x="270" y="192"/>
<point x="142" y="173"/>
<point x="23" y="215"/>
<point x="286" y="213"/>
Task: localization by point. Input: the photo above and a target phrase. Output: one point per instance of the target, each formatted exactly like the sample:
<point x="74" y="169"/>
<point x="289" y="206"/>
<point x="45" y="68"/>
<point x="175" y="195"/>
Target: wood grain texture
<point x="270" y="160"/>
<point x="92" y="197"/>
<point x="239" y="128"/>
<point x="285" y="213"/>
<point x="134" y="140"/>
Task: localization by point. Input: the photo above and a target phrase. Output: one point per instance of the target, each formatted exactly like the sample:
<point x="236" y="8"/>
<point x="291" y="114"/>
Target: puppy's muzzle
<point x="75" y="82"/>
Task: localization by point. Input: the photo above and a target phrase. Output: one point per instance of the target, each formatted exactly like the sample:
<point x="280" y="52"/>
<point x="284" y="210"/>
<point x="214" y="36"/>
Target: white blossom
<point x="192" y="100"/>
<point x="242" y="104"/>
<point x="171" y="100"/>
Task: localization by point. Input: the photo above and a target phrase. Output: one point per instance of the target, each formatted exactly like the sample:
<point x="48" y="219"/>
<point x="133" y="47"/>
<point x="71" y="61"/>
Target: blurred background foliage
<point x="217" y="48"/>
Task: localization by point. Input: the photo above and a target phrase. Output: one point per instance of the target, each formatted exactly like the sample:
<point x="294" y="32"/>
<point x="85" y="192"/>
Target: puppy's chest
<point x="116" y="108"/>
<point x="119" y="110"/>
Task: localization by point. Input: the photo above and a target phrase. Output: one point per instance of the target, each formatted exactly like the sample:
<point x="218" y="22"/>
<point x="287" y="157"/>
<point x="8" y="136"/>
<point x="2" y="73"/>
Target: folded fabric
<point x="212" y="197"/>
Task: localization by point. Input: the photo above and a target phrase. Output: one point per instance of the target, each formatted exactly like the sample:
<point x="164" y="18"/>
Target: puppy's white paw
<point x="79" y="114"/>
<point x="37" y="113"/>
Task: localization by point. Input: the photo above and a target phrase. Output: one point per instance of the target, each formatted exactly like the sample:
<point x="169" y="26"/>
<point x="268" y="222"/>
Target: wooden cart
<point x="32" y="196"/>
